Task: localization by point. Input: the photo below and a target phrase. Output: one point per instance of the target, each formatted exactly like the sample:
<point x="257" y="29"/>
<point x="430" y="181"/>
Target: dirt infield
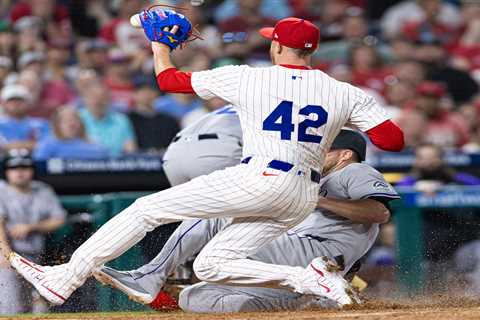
<point x="441" y="309"/>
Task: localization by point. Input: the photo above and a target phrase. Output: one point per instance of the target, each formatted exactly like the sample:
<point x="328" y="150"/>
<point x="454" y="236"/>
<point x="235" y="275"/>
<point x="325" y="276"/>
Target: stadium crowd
<point x="77" y="80"/>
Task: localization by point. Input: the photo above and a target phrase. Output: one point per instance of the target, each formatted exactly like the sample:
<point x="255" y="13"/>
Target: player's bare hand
<point x="20" y="231"/>
<point x="173" y="29"/>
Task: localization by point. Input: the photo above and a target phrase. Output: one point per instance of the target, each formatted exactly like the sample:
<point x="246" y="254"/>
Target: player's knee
<point x="206" y="269"/>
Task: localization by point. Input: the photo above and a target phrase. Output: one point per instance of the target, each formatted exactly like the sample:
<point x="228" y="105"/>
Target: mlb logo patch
<point x="308" y="45"/>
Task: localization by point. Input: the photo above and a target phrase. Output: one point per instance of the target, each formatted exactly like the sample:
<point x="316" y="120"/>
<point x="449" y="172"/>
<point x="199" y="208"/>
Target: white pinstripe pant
<point x="263" y="207"/>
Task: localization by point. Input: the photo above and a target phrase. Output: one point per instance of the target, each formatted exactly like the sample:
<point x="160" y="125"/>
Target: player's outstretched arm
<point x="361" y="211"/>
<point x="167" y="30"/>
<point x="169" y="79"/>
<point x="161" y="57"/>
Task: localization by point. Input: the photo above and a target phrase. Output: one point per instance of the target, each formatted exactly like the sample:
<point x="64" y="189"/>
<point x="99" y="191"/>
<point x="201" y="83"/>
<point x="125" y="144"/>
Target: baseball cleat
<point x="164" y="302"/>
<point x="323" y="280"/>
<point x="124" y="281"/>
<point x="38" y="276"/>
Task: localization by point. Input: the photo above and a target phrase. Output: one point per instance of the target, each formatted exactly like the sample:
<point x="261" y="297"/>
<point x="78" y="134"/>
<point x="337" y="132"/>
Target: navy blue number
<point x="322" y="117"/>
<point x="281" y="120"/>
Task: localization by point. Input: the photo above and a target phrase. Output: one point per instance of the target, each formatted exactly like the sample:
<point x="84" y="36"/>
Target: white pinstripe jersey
<point x="289" y="114"/>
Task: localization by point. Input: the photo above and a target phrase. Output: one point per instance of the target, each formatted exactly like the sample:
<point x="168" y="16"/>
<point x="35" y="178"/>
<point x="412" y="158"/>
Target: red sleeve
<point x="387" y="136"/>
<point x="174" y="81"/>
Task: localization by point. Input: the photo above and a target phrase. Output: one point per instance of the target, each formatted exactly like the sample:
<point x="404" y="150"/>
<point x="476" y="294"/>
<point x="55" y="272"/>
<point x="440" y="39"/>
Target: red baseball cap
<point x="293" y="33"/>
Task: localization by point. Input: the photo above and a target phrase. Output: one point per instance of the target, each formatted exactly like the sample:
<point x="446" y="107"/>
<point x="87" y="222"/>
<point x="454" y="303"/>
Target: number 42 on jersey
<point x="280" y="119"/>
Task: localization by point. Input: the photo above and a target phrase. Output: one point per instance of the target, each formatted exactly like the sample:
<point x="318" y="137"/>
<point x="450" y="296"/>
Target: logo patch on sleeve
<point x="381" y="185"/>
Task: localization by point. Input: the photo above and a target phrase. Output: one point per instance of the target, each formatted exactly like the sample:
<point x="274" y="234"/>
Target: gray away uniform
<point x="24" y="208"/>
<point x="322" y="233"/>
<point x="213" y="142"/>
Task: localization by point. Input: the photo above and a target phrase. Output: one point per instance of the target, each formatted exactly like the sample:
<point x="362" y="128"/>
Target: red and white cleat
<point x="40" y="277"/>
<point x="321" y="278"/>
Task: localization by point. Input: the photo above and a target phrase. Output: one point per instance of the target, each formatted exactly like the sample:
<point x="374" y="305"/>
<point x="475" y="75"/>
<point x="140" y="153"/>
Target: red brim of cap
<point x="266" y="32"/>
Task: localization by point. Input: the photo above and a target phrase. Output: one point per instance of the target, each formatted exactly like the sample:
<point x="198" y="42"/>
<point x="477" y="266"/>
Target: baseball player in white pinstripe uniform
<point x="323" y="233"/>
<point x="289" y="117"/>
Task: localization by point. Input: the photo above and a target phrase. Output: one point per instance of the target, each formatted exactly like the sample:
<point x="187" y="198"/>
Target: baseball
<point x="196" y="3"/>
<point x="135" y="21"/>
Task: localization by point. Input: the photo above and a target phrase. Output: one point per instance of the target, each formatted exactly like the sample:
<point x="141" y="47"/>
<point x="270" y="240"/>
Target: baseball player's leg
<point x="289" y="249"/>
<point x="11" y="301"/>
<point x="297" y="250"/>
<point x="144" y="283"/>
<point x="224" y="259"/>
<point x="211" y="298"/>
<point x="240" y="191"/>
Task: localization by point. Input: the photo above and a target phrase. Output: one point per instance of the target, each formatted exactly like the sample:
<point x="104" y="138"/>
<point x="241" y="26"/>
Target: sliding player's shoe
<point x="50" y="282"/>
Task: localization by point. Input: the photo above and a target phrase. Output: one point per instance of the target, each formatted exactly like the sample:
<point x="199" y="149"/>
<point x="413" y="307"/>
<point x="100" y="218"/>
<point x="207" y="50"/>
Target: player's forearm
<point x="161" y="58"/>
<point x="361" y="211"/>
<point x="169" y="79"/>
<point x="48" y="225"/>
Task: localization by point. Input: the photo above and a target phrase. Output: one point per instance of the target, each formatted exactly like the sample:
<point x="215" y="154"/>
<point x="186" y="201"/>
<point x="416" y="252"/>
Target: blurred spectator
<point x="431" y="26"/>
<point x="430" y="172"/>
<point x="441" y="126"/>
<point x="31" y="60"/>
<point x="274" y="9"/>
<point x="120" y="31"/>
<point x="244" y="25"/>
<point x="354" y="28"/>
<point x="398" y="95"/>
<point x="5" y="68"/>
<point x="48" y="87"/>
<point x="28" y="211"/>
<point x="211" y="39"/>
<point x="154" y="130"/>
<point x="332" y="13"/>
<point x="54" y="17"/>
<point x="7" y="40"/>
<point x="68" y="140"/>
<point x="306" y="9"/>
<point x="105" y="127"/>
<point x="89" y="16"/>
<point x="460" y="84"/>
<point x="118" y="79"/>
<point x="29" y="35"/>
<point x="406" y="11"/>
<point x="368" y="70"/>
<point x="410" y="71"/>
<point x="91" y="54"/>
<point x="466" y="55"/>
<point x="17" y="130"/>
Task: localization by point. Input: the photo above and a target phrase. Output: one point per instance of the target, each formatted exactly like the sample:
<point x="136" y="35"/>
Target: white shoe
<point x="41" y="278"/>
<point x="321" y="278"/>
<point x="123" y="281"/>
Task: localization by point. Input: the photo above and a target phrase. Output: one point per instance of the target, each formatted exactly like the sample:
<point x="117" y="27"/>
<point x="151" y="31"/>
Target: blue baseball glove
<point x="154" y="21"/>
